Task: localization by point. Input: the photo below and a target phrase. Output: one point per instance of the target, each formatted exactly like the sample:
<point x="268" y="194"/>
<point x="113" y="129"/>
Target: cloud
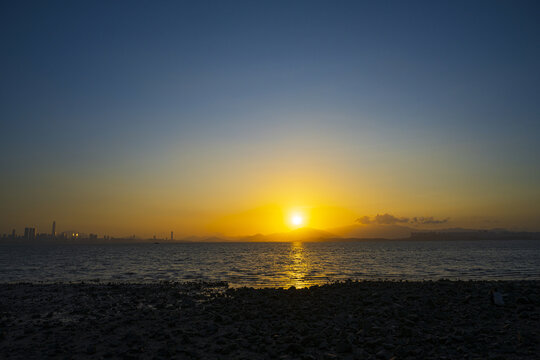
<point x="364" y="220"/>
<point x="389" y="219"/>
<point x="384" y="219"/>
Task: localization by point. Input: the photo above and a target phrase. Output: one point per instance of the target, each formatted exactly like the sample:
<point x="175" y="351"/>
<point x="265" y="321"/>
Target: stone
<point x="384" y="355"/>
<point x="343" y="347"/>
<point x="90" y="349"/>
<point x="294" y="348"/>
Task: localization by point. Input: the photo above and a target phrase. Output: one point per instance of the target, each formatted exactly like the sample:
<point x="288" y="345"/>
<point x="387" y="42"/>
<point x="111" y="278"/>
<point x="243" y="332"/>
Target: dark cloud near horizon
<point x="364" y="220"/>
<point x="389" y="219"/>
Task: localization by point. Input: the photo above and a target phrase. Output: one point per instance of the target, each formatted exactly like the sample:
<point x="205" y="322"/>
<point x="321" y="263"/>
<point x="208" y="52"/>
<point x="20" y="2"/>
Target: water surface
<point x="272" y="264"/>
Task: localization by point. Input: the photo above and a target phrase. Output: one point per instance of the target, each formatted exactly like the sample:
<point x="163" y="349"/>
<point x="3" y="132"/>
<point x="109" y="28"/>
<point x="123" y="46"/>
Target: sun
<point x="297" y="220"/>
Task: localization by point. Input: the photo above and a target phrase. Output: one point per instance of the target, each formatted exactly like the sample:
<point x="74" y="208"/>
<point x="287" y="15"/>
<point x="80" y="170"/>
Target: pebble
<point x="384" y="354"/>
<point x="365" y="320"/>
<point x="91" y="349"/>
<point x="343" y="347"/>
<point x="295" y="348"/>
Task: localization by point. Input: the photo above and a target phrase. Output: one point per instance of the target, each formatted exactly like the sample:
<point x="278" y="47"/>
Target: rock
<point x="372" y="342"/>
<point x="90" y="349"/>
<point x="225" y="350"/>
<point x="343" y="347"/>
<point x="497" y="298"/>
<point x="384" y="355"/>
<point x="523" y="300"/>
<point x="294" y="348"/>
<point x="309" y="340"/>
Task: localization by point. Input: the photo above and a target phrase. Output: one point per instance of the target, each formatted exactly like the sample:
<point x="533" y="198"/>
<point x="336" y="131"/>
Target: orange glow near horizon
<point x="274" y="218"/>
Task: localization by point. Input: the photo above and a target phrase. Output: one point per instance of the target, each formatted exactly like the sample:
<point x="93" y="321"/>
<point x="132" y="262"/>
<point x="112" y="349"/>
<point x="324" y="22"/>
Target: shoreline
<point x="196" y="320"/>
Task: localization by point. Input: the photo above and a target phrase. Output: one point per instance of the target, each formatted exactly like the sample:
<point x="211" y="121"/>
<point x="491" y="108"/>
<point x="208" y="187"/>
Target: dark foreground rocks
<point x="351" y="320"/>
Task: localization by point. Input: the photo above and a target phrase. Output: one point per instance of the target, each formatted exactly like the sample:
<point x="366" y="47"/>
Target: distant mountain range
<point x="303" y="234"/>
<point x="372" y="231"/>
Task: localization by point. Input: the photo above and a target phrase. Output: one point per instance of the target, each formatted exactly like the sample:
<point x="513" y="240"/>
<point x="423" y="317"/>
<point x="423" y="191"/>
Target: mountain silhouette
<point x="303" y="234"/>
<point x="374" y="231"/>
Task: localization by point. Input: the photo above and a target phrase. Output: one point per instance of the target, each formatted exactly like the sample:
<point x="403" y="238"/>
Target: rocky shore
<point x="348" y="320"/>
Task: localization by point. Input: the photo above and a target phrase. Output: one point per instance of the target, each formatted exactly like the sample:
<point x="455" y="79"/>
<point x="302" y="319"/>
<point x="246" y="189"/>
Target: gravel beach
<point x="347" y="320"/>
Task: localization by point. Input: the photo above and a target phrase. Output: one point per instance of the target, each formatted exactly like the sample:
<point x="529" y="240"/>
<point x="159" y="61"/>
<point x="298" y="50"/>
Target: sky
<point x="229" y="117"/>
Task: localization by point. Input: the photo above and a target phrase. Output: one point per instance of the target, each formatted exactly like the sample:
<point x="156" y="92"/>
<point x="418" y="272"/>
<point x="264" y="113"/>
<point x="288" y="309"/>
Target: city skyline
<point x="381" y="226"/>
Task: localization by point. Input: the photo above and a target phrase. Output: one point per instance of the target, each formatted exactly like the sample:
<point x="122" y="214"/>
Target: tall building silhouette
<point x="30" y="233"/>
<point x="172" y="237"/>
<point x="53" y="232"/>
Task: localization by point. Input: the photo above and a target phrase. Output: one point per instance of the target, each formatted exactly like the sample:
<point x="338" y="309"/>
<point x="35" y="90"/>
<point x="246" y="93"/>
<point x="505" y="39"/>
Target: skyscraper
<point x="53" y="232"/>
<point x="30" y="233"/>
<point x="172" y="236"/>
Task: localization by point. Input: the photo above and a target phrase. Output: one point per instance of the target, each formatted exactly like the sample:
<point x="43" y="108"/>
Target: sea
<point x="271" y="264"/>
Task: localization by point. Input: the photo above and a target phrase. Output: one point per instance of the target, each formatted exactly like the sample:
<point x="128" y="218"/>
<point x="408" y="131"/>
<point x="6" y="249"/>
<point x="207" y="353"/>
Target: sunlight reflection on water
<point x="298" y="268"/>
<point x="272" y="264"/>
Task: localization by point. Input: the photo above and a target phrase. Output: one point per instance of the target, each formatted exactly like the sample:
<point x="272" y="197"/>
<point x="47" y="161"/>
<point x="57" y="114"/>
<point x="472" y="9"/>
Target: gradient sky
<point x="141" y="117"/>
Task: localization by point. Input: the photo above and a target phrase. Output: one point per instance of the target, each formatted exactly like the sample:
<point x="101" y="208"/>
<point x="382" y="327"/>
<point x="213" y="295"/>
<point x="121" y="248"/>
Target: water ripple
<point x="272" y="264"/>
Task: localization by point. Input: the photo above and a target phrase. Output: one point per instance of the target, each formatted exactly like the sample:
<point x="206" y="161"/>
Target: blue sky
<point x="126" y="90"/>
